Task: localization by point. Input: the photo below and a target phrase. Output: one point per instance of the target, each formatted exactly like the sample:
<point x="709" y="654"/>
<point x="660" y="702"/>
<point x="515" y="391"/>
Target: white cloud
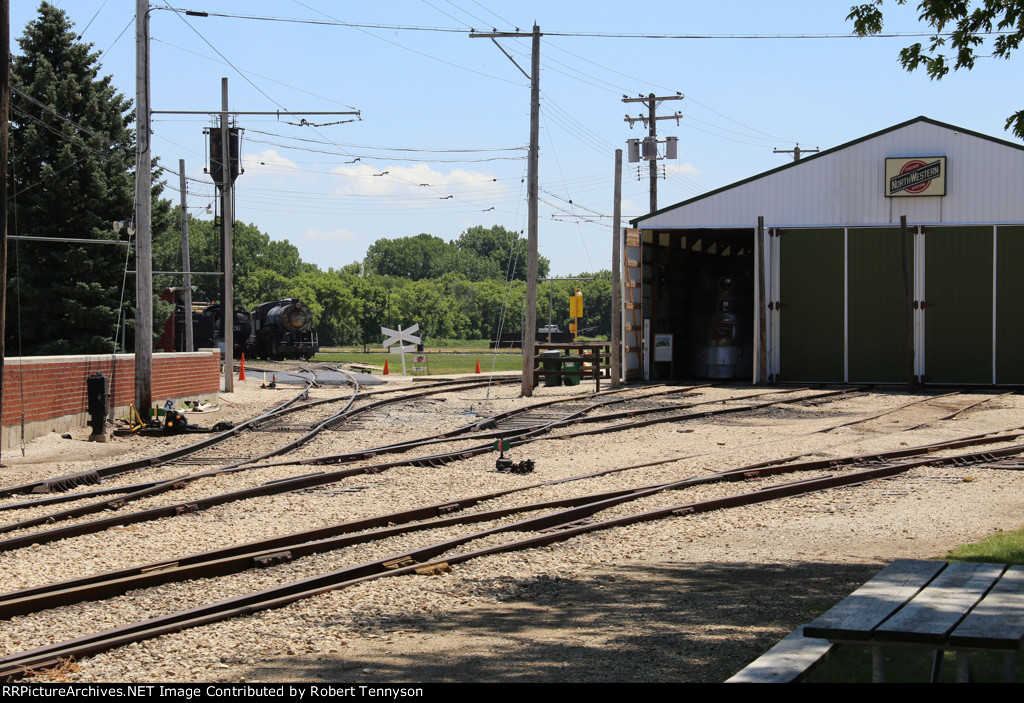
<point x="686" y="168"/>
<point x="631" y="209"/>
<point x="362" y="179"/>
<point x="268" y="160"/>
<point x="337" y="235"/>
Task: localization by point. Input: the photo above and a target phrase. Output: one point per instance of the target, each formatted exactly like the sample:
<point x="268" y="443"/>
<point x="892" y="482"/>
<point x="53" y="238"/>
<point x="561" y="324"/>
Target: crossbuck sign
<point x="404" y="339"/>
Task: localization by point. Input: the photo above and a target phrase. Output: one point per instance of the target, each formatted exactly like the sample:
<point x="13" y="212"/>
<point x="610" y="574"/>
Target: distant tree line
<point x="420" y="279"/>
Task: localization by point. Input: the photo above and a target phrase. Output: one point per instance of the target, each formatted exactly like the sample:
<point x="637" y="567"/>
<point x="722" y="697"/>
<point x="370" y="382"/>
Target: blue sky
<point x="426" y="97"/>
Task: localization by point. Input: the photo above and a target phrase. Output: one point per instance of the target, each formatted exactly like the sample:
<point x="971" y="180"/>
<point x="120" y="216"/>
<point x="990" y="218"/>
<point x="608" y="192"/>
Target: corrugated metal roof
<point x="845" y="185"/>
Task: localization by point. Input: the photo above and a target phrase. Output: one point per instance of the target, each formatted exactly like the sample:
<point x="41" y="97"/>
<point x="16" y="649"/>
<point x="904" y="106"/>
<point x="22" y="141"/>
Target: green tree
<point x="416" y="258"/>
<point x="264" y="268"/>
<point x="505" y="249"/>
<point x="969" y="21"/>
<point x="71" y="175"/>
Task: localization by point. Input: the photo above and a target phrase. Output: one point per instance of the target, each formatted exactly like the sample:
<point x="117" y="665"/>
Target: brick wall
<point x="51" y="389"/>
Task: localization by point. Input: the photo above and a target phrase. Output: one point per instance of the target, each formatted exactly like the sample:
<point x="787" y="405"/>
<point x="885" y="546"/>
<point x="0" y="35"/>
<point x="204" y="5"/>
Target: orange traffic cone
<point x="385" y="367"/>
<point x="241" y="369"/>
<point x="478" y="366"/>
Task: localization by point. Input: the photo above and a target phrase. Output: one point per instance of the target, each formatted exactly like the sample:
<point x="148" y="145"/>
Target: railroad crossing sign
<point x="397" y="337"/>
<point x="400" y="335"/>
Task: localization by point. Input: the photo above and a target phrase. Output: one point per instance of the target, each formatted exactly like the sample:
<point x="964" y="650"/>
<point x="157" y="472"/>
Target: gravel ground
<point x="682" y="599"/>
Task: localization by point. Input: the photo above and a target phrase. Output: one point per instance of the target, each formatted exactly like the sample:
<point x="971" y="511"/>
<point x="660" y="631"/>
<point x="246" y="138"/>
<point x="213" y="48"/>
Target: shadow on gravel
<point x="687" y="622"/>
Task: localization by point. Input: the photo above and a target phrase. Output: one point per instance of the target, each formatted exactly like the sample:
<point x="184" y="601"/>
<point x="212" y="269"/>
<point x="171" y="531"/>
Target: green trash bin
<point x="571" y="364"/>
<point x="551" y="361"/>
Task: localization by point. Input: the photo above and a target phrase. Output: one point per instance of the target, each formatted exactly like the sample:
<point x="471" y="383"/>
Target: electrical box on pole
<point x="633" y="145"/>
<point x="671" y="147"/>
<point x="217" y="154"/>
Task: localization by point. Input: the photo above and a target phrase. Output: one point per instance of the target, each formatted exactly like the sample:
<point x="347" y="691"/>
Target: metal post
<point x="762" y="305"/>
<point x="551" y="305"/>
<point x="227" y="221"/>
<point x="530" y="332"/>
<point x="186" y="266"/>
<point x="908" y="312"/>
<point x="616" y="349"/>
<point x="143" y="217"/>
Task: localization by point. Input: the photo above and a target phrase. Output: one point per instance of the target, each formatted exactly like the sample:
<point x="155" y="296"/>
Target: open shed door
<point x="632" y="314"/>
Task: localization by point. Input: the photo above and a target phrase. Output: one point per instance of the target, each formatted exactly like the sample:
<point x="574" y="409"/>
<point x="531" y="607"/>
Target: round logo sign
<point x="910" y="166"/>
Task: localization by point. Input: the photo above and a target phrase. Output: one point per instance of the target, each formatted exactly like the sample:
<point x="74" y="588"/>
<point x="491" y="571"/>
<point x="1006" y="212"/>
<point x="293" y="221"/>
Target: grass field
<point x="438" y="362"/>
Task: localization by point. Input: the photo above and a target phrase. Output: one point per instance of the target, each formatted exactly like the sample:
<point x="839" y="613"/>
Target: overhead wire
<point x="232" y="65"/>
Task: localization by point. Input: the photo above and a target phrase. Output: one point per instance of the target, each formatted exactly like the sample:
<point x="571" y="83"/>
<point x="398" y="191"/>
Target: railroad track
<point x="532" y="432"/>
<point x="536" y="423"/>
<point x="547" y="522"/>
<point x="210" y="450"/>
<point x="560" y="520"/>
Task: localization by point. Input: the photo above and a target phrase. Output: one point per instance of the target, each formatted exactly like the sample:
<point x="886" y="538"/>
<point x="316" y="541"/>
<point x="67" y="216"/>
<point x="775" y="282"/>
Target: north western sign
<point x="915" y="176"/>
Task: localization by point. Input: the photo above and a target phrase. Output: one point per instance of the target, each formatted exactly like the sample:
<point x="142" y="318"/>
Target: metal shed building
<point x="803" y="273"/>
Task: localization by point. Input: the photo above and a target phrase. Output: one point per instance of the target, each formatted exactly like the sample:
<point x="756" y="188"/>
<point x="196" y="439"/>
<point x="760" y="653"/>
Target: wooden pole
<point x="5" y="104"/>
<point x="530" y="328"/>
<point x="143" y="217"/>
<point x="653" y="133"/>
<point x="617" y="274"/>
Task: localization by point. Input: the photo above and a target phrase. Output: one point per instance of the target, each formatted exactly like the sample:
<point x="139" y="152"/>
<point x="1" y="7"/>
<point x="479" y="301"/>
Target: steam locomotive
<point x="278" y="329"/>
<point x="282" y="329"/>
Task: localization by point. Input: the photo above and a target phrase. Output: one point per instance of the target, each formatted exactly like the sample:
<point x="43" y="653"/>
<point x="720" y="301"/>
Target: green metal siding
<point x="1010" y="305"/>
<point x="958" y="286"/>
<point x="811" y="292"/>
<point x="877" y="323"/>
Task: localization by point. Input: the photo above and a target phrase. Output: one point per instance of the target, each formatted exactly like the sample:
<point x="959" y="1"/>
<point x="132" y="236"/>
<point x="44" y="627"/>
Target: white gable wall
<point x="985" y="184"/>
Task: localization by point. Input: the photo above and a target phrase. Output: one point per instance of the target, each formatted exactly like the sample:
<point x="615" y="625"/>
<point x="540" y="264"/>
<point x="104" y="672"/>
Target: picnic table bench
<point x="961" y="606"/>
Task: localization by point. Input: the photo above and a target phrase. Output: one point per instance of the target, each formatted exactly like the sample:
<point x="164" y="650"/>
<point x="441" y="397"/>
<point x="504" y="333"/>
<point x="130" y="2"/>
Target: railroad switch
<point x="507" y="466"/>
<point x="175" y="422"/>
<point x="504" y="465"/>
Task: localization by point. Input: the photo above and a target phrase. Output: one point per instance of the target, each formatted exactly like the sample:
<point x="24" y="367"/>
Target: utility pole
<point x="143" y="217"/>
<point x="530" y="325"/>
<point x="616" y="274"/>
<point x="226" y="185"/>
<point x="795" y="152"/>
<point x="5" y="105"/>
<point x="650" y="149"/>
<point x="186" y="265"/>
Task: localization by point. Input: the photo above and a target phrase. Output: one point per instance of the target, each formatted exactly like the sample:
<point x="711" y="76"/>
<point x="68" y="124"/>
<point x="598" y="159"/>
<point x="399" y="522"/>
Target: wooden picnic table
<point x="961" y="606"/>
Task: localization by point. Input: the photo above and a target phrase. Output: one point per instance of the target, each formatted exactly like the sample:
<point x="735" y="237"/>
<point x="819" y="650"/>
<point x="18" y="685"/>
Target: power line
<point x="596" y="35"/>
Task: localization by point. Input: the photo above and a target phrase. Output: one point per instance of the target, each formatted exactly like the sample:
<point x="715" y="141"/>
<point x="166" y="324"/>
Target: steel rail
<point x="348" y="457"/>
<point x="903" y="429"/>
<point x="139" y="491"/>
<point x="448" y="435"/>
<point x="556" y="527"/>
<point x="300" y="482"/>
<point x="255" y="554"/>
<point x="93" y="476"/>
